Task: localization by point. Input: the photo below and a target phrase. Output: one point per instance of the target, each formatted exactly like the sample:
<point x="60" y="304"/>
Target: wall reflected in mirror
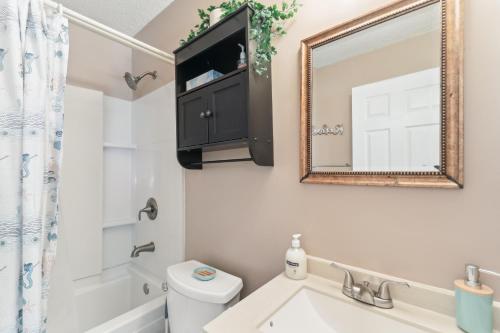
<point x="376" y="97"/>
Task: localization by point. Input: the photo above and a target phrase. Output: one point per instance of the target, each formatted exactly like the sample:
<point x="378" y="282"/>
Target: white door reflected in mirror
<point x="395" y="123"/>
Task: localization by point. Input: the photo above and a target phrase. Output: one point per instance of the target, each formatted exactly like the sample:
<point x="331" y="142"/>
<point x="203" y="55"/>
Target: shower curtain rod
<point x="109" y="33"/>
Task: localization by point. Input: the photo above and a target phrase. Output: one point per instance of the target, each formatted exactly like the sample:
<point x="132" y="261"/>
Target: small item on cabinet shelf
<point x="474" y="302"/>
<point x="215" y="16"/>
<point x="242" y="62"/>
<point x="202" y="79"/>
<point x="296" y="260"/>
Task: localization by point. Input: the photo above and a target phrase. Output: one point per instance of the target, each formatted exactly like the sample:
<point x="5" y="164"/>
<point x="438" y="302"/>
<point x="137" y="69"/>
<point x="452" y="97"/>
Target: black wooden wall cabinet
<point x="234" y="110"/>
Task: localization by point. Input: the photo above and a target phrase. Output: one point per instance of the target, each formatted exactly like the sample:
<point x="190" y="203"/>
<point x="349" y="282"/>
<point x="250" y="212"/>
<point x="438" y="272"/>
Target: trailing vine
<point x="267" y="22"/>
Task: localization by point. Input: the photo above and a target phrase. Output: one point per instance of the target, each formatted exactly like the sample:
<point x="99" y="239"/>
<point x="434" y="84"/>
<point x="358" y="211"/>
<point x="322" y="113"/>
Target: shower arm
<point x="153" y="74"/>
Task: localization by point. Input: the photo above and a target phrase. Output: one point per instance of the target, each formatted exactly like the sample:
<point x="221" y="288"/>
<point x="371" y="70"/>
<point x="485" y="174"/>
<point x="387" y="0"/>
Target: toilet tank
<point x="191" y="303"/>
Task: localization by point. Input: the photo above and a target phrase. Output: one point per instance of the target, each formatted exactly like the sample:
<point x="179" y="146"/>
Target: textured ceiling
<point x="127" y="16"/>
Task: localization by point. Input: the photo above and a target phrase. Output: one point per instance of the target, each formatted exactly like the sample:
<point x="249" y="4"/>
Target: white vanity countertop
<point x="422" y="306"/>
<point x="249" y="314"/>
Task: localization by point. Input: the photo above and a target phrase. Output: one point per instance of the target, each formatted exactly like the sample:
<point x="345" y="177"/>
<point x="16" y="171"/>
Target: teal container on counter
<point x="474" y="303"/>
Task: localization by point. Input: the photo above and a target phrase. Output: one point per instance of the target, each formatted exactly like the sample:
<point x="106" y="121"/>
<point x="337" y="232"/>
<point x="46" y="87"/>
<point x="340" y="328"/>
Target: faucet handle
<point x="348" y="279"/>
<point x="384" y="291"/>
<point x="151" y="209"/>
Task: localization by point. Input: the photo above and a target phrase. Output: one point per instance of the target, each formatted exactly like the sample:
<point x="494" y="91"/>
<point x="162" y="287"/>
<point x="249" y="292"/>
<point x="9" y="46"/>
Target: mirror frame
<point x="451" y="173"/>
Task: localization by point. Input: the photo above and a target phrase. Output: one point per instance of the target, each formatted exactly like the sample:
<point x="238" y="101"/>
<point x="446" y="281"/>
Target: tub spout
<point x="150" y="247"/>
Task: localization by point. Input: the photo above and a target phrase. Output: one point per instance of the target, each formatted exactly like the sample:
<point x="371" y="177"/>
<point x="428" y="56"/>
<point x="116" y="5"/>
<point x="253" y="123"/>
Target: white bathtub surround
<point x="158" y="174"/>
<point x="133" y="151"/>
<point x="80" y="205"/>
<point x="154" y="173"/>
<point x="100" y="196"/>
<point x="118" y="182"/>
<point x="81" y="199"/>
<point x="423" y="308"/>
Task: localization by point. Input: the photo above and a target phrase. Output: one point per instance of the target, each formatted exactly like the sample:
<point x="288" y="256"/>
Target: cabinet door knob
<point x="202" y="115"/>
<point x="208" y="114"/>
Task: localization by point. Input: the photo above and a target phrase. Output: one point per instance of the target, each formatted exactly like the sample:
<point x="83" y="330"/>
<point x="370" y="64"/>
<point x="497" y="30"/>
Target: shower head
<point x="132" y="80"/>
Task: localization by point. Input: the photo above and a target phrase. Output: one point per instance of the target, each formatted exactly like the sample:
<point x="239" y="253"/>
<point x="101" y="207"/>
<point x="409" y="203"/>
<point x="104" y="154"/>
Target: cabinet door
<point x="228" y="111"/>
<point x="192" y="125"/>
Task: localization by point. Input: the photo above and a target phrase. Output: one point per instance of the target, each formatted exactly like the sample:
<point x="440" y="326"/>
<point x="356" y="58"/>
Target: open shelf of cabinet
<point x="232" y="111"/>
<point x="223" y="77"/>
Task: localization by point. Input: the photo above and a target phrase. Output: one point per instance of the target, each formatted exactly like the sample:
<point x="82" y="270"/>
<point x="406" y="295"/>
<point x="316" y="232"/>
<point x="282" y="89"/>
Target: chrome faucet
<point x="364" y="293"/>
<point x="150" y="247"/>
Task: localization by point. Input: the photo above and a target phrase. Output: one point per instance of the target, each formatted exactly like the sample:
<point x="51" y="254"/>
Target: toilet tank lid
<point x="220" y="290"/>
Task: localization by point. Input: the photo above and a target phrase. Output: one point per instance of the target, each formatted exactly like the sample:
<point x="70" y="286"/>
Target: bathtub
<point x="118" y="304"/>
<point x="146" y="318"/>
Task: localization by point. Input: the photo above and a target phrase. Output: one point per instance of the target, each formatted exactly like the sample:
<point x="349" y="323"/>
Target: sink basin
<point x="311" y="311"/>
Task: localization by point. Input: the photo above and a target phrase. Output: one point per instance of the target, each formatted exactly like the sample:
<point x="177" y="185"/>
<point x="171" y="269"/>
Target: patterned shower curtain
<point x="33" y="65"/>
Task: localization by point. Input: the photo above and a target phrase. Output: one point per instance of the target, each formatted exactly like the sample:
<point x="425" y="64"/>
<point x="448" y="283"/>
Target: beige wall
<point x="240" y="217"/>
<point x="98" y="63"/>
<point x="165" y="32"/>
<point x="332" y="100"/>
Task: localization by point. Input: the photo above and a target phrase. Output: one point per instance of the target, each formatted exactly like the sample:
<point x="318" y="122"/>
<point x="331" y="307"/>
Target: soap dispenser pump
<point x="474" y="301"/>
<point x="296" y="260"/>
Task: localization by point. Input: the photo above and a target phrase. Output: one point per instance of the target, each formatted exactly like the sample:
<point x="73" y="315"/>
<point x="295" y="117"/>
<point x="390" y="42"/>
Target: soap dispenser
<point x="242" y="62"/>
<point x="296" y="260"/>
<point x="474" y="302"/>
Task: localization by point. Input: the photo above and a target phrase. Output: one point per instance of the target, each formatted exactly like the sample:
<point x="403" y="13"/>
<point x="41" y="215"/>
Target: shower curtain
<point x="33" y="65"/>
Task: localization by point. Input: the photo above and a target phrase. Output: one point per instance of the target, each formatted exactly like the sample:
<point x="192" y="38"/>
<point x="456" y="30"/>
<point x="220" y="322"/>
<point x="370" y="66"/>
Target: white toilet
<point x="192" y="303"/>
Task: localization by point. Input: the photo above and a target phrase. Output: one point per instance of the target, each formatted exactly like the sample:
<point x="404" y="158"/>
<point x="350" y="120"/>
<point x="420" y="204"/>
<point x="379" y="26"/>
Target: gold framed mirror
<point x="382" y="98"/>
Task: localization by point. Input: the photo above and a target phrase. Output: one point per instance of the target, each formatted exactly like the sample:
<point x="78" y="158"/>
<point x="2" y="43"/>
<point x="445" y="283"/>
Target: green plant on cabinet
<point x="267" y="22"/>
